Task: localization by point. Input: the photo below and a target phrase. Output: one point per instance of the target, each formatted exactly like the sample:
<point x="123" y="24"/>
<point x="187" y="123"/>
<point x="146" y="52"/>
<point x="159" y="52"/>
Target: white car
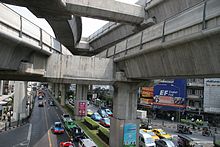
<point x="86" y="143"/>
<point x="65" y="117"/>
<point x="165" y="143"/>
<point x="145" y="139"/>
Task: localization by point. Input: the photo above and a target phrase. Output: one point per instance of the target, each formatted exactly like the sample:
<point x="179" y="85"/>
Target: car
<point x="64" y="117"/>
<point x="52" y="103"/>
<point x="102" y="113"/>
<point x="71" y="101"/>
<point x="89" y="112"/>
<point x="109" y="112"/>
<point x="40" y="104"/>
<point x="145" y="139"/>
<point x="184" y="129"/>
<point x="164" y="143"/>
<point x="67" y="144"/>
<point x="150" y="132"/>
<point x="77" y="133"/>
<point x="69" y="124"/>
<point x="105" y="122"/>
<point x="57" y="128"/>
<point x="95" y="116"/>
<point x="86" y="143"/>
<point x="161" y="133"/>
<point x="40" y="97"/>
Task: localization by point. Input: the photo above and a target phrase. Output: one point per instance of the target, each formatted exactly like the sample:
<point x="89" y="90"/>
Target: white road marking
<point x="29" y="132"/>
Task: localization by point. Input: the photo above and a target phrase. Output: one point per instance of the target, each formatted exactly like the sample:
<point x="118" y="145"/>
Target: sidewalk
<point x="2" y="125"/>
<point x="173" y="125"/>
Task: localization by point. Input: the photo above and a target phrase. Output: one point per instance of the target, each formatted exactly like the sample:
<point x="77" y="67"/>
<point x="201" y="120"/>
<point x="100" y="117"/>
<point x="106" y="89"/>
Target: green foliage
<point x="199" y="122"/>
<point x="104" y="131"/>
<point x="70" y="109"/>
<point x="183" y="121"/>
<point x="91" y="123"/>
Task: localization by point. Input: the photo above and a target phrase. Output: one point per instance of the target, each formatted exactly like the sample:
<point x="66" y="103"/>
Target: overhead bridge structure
<point x="29" y="53"/>
<point x="155" y="39"/>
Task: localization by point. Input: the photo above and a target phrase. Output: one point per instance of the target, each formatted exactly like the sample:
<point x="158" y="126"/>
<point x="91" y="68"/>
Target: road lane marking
<point x="29" y="135"/>
<point x="29" y="132"/>
<point x="48" y="132"/>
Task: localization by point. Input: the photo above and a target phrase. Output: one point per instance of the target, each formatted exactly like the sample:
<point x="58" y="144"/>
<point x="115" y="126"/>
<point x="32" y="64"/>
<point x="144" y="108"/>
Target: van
<point x="145" y="140"/>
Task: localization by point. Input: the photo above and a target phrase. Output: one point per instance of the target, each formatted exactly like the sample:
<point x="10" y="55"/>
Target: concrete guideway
<point x="107" y="10"/>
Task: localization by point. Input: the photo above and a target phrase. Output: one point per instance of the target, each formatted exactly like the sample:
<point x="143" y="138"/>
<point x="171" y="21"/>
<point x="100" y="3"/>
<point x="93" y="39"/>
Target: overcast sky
<point x="89" y="25"/>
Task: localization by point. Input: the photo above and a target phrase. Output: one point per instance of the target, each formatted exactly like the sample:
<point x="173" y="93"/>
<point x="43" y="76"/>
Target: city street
<point x="37" y="133"/>
<point x="171" y="128"/>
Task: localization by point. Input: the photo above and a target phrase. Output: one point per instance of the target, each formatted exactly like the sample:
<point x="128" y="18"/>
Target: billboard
<point x="212" y="95"/>
<point x="81" y="107"/>
<point x="147" y="92"/>
<point x="130" y="133"/>
<point x="170" y="95"/>
<point x="146" y="101"/>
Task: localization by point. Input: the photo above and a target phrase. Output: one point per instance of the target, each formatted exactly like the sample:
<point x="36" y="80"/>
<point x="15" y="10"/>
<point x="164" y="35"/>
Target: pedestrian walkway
<point x="2" y="125"/>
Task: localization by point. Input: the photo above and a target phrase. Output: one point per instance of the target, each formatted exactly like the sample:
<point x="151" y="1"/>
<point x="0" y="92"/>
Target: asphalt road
<point x="37" y="133"/>
<point x="197" y="136"/>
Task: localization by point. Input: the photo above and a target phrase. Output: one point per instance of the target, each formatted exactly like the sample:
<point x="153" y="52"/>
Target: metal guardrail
<point x="162" y="30"/>
<point x="107" y="27"/>
<point x="13" y="24"/>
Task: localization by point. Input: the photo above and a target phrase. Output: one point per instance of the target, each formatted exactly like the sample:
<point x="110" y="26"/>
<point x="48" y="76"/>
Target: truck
<point x="141" y="114"/>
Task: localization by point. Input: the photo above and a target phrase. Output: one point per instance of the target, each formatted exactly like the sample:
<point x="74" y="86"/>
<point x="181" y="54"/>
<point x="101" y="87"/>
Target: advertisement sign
<point x="170" y="95"/>
<point x="146" y="101"/>
<point x="81" y="107"/>
<point x="147" y="92"/>
<point x="212" y="95"/>
<point x="130" y="132"/>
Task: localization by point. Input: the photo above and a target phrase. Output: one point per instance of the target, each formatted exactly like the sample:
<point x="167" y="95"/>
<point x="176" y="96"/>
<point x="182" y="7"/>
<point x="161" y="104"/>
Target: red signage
<point x="82" y="108"/>
<point x="147" y="91"/>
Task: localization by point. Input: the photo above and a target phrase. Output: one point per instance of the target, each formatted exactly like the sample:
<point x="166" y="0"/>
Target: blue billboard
<point x="130" y="133"/>
<point x="170" y="95"/>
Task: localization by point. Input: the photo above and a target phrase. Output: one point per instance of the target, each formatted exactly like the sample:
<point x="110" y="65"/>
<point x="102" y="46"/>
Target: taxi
<point x="67" y="144"/>
<point x="161" y="133"/>
<point x="57" y="128"/>
<point x="150" y="132"/>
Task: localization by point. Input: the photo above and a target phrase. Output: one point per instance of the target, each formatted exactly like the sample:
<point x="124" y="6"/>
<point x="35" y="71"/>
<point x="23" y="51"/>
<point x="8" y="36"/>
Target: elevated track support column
<point x="124" y="123"/>
<point x="19" y="107"/>
<point x="63" y="94"/>
<point x="81" y="98"/>
<point x="56" y="90"/>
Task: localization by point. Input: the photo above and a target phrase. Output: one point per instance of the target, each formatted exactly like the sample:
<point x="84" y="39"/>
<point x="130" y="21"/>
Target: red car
<point x="105" y="122"/>
<point x="67" y="144"/>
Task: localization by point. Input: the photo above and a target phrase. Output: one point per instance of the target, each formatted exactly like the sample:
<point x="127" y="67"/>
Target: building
<point x="195" y="95"/>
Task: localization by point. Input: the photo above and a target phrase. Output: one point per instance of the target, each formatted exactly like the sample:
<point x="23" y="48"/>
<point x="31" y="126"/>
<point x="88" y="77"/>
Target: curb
<point x="11" y="128"/>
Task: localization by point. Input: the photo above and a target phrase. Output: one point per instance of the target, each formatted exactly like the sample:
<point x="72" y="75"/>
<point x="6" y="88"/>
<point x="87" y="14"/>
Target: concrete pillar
<point x="1" y="87"/>
<point x="56" y="90"/>
<point x="124" y="115"/>
<point x="63" y="94"/>
<point x="19" y="108"/>
<point x="81" y="92"/>
<point x="81" y="95"/>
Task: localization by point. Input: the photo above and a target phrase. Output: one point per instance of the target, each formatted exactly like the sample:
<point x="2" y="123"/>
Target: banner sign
<point x="170" y="94"/>
<point x="147" y="92"/>
<point x="130" y="132"/>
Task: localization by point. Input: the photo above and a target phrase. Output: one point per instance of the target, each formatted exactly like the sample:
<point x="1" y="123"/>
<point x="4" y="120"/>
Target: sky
<point x="89" y="25"/>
